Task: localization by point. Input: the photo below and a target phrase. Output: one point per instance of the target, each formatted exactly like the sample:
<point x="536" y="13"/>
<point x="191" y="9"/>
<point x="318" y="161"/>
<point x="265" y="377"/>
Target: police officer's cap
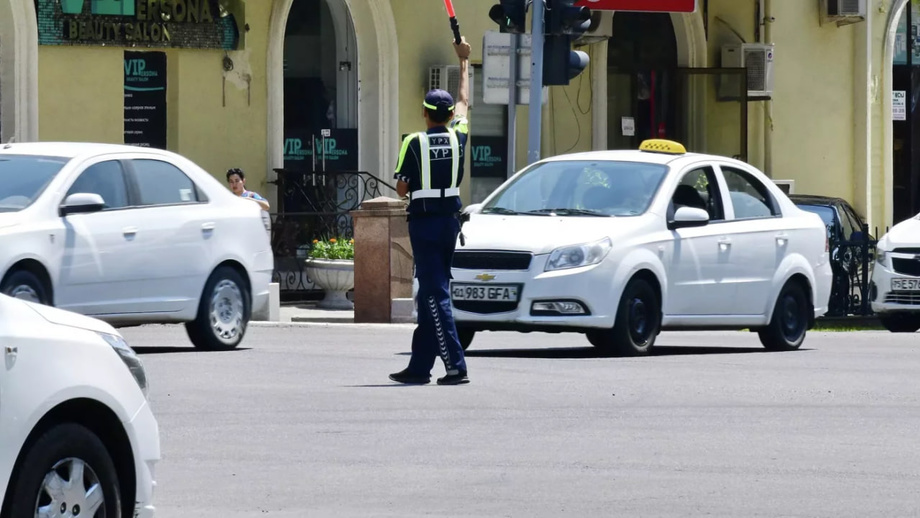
<point x="438" y="100"/>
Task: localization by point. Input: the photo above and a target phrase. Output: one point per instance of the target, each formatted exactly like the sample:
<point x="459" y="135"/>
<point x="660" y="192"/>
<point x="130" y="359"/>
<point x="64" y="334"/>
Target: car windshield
<point x="580" y="188"/>
<point x="24" y="177"/>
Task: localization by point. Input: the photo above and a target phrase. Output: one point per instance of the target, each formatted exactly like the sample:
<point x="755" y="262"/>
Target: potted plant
<point x="330" y="264"/>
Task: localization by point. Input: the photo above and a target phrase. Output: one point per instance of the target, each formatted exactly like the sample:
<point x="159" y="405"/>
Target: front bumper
<point x="588" y="286"/>
<point x="884" y="297"/>
<point x="145" y="434"/>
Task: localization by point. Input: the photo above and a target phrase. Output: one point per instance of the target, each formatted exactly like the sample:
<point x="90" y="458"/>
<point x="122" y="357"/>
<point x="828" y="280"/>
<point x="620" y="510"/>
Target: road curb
<point x="330" y="324"/>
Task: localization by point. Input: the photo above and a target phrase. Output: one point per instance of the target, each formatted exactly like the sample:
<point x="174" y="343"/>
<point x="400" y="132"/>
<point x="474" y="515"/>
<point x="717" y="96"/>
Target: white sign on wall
<point x="899" y="105"/>
<point x="496" y="69"/>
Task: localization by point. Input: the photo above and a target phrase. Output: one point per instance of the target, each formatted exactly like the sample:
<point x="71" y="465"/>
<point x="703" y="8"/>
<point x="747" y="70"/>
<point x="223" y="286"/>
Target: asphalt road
<point x="302" y="421"/>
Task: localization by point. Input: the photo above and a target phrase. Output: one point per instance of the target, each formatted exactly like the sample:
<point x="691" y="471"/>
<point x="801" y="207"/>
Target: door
<point x="697" y="273"/>
<point x="759" y="241"/>
<point x="178" y="228"/>
<point x="100" y="269"/>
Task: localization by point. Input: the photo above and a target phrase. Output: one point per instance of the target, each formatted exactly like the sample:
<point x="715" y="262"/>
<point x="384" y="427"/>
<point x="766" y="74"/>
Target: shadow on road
<point x="162" y="349"/>
<point x="591" y="352"/>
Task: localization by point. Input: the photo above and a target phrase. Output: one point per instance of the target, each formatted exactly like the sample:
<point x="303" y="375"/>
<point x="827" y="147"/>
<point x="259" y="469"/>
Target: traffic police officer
<point x="430" y="170"/>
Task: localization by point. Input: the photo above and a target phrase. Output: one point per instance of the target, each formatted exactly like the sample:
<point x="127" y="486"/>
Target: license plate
<point x="491" y="293"/>
<point x="905" y="284"/>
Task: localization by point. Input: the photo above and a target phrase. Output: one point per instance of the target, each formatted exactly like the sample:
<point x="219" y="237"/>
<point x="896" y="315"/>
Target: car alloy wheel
<point x="793" y="324"/>
<point x="71" y="488"/>
<point x="227" y="311"/>
<point x="26" y="293"/>
<point x="639" y="320"/>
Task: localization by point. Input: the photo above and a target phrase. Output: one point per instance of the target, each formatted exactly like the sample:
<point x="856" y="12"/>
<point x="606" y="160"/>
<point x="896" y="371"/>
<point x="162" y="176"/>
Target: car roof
<point x="816" y="199"/>
<point x="634" y="155"/>
<point x="70" y="149"/>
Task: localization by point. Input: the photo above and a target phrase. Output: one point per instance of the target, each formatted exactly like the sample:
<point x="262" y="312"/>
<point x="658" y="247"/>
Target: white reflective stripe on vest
<point x="425" y="152"/>
<point x="434" y="193"/>
<point x="425" y="160"/>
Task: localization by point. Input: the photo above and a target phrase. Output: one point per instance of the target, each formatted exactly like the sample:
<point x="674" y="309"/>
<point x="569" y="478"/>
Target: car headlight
<point x="579" y="255"/>
<point x="880" y="256"/>
<point x="127" y="355"/>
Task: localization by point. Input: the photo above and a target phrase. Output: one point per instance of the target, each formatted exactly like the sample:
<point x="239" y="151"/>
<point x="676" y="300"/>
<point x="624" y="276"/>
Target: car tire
<point x="901" y="322"/>
<point x="638" y="322"/>
<point x="56" y="456"/>
<point x="23" y="284"/>
<point x="223" y="312"/>
<point x="789" y="323"/>
<point x="466" y="337"/>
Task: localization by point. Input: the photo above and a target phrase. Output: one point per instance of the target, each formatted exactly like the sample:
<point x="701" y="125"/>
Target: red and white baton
<point x="454" y="24"/>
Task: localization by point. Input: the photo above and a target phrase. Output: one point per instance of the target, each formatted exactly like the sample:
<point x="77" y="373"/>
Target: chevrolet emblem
<point x="485" y="277"/>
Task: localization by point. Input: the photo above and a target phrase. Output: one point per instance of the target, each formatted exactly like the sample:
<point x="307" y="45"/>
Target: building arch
<point x="690" y="34"/>
<point x="18" y="71"/>
<point x="378" y="83"/>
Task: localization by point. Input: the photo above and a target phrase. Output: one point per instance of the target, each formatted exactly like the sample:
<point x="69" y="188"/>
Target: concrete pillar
<point x="383" y="259"/>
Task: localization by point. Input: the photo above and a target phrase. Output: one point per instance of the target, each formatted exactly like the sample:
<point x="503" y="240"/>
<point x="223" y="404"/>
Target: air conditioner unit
<point x="787" y="186"/>
<point x="447" y="77"/>
<point x="757" y="59"/>
<point x="843" y="12"/>
<point x="600" y="30"/>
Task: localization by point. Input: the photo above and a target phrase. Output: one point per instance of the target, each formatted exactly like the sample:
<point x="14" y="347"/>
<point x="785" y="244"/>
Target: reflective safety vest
<point x="425" y="161"/>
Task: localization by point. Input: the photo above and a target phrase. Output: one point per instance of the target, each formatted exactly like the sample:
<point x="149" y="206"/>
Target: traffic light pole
<point x="512" y="106"/>
<point x="538" y="8"/>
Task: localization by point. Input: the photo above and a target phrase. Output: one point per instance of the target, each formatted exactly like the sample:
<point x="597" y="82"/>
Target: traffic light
<point x="510" y="15"/>
<point x="565" y="23"/>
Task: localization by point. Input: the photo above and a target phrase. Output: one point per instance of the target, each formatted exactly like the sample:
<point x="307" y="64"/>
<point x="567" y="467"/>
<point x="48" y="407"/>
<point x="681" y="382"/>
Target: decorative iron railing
<point x="313" y="205"/>
<point x="851" y="262"/>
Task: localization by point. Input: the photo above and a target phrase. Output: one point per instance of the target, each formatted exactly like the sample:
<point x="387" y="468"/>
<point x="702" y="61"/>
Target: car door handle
<point x="129" y="231"/>
<point x="782" y="238"/>
<point x="724" y="241"/>
<point x="207" y="227"/>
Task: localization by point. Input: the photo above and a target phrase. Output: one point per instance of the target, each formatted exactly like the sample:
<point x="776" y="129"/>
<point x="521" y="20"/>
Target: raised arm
<point x="462" y="103"/>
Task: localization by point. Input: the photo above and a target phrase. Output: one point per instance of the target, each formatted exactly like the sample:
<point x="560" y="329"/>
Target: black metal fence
<point x="313" y="205"/>
<point x="851" y="262"/>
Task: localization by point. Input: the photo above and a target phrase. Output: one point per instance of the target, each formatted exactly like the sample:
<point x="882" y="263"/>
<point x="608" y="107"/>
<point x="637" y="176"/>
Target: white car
<point x="894" y="293"/>
<point x="132" y="236"/>
<point x="77" y="436"/>
<point x="622" y="244"/>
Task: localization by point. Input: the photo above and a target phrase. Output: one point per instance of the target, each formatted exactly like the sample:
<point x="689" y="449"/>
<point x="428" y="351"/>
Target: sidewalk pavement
<point x="308" y="312"/>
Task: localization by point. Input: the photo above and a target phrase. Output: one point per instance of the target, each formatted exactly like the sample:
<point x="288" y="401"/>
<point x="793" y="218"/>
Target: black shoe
<point x="404" y="376"/>
<point x="454" y="378"/>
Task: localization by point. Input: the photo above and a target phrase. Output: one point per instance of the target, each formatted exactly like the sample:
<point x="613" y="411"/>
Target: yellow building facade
<point x="252" y="84"/>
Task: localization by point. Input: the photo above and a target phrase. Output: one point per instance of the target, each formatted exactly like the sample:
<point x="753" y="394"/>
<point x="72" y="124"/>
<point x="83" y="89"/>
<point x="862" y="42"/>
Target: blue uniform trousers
<point x="433" y="240"/>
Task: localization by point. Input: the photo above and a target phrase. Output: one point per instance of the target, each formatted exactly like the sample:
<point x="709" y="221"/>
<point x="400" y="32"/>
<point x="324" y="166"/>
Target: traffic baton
<point x="454" y="24"/>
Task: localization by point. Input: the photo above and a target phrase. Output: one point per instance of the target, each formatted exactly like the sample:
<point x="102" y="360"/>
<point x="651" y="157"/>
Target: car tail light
<point x="827" y="244"/>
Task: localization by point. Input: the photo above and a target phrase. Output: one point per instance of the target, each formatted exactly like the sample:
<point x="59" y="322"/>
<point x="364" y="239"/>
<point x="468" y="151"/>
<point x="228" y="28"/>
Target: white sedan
<point x="622" y="244"/>
<point x="895" y="289"/>
<point x="131" y="236"/>
<point x="77" y="436"/>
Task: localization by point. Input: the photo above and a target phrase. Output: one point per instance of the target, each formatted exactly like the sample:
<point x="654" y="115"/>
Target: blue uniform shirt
<point x="409" y="169"/>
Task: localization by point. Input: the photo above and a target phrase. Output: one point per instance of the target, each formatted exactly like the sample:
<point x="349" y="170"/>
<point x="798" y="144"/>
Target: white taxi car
<point x="131" y="236"/>
<point x="77" y="436"/>
<point x="622" y="244"/>
<point x="894" y="292"/>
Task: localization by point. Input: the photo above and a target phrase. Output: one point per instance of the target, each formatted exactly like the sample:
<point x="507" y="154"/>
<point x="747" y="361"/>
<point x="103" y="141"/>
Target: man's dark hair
<point x="236" y="171"/>
<point x="439" y="116"/>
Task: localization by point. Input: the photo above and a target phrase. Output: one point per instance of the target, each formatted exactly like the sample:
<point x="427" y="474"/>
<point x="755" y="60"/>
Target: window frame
<point x="130" y="192"/>
<point x="756" y="183"/>
<point x="134" y="174"/>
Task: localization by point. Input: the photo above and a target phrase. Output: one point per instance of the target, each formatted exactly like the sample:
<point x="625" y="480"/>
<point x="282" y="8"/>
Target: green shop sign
<point x="203" y="24"/>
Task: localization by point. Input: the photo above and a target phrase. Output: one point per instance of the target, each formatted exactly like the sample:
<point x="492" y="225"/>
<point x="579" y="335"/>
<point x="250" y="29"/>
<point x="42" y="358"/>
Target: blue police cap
<point x="438" y="99"/>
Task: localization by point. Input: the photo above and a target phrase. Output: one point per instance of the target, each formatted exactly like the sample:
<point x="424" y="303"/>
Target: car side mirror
<point x="81" y="203"/>
<point x="689" y="217"/>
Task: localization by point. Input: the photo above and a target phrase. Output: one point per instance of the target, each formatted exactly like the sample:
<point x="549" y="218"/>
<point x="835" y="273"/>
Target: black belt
<point x="429" y="215"/>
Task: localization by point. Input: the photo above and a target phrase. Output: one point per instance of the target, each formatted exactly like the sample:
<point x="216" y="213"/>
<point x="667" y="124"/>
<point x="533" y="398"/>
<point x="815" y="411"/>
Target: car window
<point x="24" y="177"/>
<point x="161" y="183"/>
<point x="698" y="188"/>
<point x="749" y="197"/>
<point x="107" y="179"/>
<point x="854" y="221"/>
<point x="608" y="188"/>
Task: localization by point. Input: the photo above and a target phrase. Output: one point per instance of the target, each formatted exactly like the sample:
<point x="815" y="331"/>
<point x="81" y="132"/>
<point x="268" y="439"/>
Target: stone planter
<point x="335" y="277"/>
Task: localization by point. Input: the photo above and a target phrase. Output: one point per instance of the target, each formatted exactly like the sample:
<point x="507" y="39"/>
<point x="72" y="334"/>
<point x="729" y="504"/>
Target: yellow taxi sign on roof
<point x="663" y="146"/>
